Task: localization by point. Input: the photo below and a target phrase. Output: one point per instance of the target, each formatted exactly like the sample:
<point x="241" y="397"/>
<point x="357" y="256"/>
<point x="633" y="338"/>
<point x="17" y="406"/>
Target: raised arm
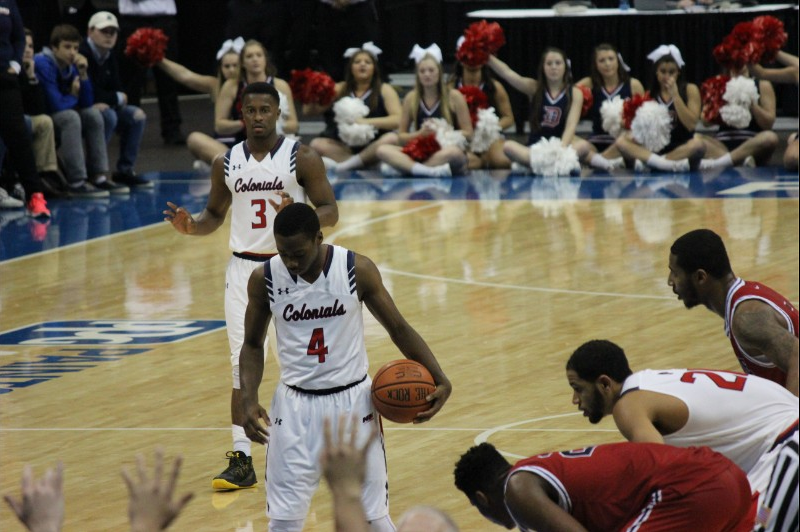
<point x="761" y="331"/>
<point x="788" y="74"/>
<point x="184" y="76"/>
<point x="688" y="111"/>
<point x="373" y="293"/>
<point x="311" y="175"/>
<point x="524" y="85"/>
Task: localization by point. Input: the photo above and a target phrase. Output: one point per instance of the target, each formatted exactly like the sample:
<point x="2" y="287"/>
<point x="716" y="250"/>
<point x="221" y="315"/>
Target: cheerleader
<point x="362" y="81"/>
<point x="555" y="105"/>
<point x="497" y="97"/>
<point x="609" y="78"/>
<point x="205" y="147"/>
<point x="682" y="99"/>
<point x="427" y="100"/>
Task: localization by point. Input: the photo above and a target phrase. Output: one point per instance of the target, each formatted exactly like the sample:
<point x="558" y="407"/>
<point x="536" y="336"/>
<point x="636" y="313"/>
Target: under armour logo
<point x="237" y="166"/>
<point x="282" y="291"/>
<point x="278" y="421"/>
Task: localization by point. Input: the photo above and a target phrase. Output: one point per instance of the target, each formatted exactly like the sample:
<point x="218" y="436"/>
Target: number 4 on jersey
<point x="316" y="346"/>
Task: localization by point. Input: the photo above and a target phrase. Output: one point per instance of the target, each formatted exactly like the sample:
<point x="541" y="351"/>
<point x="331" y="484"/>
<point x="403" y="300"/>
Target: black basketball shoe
<point x="239" y="473"/>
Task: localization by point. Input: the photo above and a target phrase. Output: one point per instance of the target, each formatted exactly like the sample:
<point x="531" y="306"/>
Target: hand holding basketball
<point x="400" y="389"/>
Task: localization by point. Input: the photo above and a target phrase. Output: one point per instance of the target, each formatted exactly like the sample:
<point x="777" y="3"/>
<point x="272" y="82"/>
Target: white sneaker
<point x="7" y="202"/>
<point x="387" y="170"/>
<point x="443" y="170"/>
<point x="749" y="162"/>
<point x="639" y="166"/>
<point x="520" y="169"/>
<point x="681" y="166"/>
<point x="616" y="164"/>
<point x="201" y="167"/>
<point x="330" y="164"/>
<point x="706" y="164"/>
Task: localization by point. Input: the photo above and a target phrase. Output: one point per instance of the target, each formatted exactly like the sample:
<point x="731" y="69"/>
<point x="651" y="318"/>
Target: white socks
<point x="598" y="161"/>
<point x="443" y="170"/>
<point x="661" y="163"/>
<point x="720" y="162"/>
<point x="240" y="440"/>
<point x="350" y="164"/>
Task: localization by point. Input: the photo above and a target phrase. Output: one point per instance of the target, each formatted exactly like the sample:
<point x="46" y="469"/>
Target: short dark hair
<point x="599" y="357"/>
<point x="297" y="218"/>
<point x="261" y="87"/>
<point x="702" y="249"/>
<point x="481" y="468"/>
<point x="64" y="32"/>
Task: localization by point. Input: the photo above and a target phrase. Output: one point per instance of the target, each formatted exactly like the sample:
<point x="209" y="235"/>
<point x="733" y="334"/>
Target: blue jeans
<point x="130" y="128"/>
<point x="73" y="127"/>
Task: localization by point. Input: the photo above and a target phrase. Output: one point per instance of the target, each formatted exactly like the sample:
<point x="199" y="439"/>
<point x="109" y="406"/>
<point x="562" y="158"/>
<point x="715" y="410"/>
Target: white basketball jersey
<point x="319" y="326"/>
<point x="737" y="415"/>
<point x="252" y="185"/>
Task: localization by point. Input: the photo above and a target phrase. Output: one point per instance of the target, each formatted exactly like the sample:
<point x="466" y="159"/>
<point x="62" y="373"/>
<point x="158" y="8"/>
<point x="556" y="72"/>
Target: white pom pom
<point x="549" y="157"/>
<point x="737" y="116"/>
<point x="445" y="134"/>
<point x="652" y="126"/>
<point x="741" y="91"/>
<point x="357" y="134"/>
<point x="487" y="130"/>
<point x="611" y="113"/>
<point x="349" y="109"/>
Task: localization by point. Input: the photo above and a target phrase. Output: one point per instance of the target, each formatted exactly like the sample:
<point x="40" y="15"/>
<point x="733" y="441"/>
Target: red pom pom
<point x="311" y="86"/>
<point x="588" y="100"/>
<point x="631" y="105"/>
<point x="740" y="47"/>
<point x="476" y="99"/>
<point x="421" y="148"/>
<point x="711" y="92"/>
<point x="771" y="34"/>
<point x="481" y="39"/>
<point x="146" y="46"/>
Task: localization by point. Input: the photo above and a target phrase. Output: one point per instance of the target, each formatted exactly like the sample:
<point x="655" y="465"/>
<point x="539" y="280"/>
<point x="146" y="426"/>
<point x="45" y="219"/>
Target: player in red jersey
<point x="619" y="486"/>
<point x="761" y="324"/>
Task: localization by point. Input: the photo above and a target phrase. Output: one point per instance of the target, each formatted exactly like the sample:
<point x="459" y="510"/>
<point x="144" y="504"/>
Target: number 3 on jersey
<point x="316" y="346"/>
<point x="260" y="206"/>
<point x="720" y="379"/>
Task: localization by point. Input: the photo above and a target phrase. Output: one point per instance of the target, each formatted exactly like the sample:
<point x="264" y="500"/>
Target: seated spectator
<point x="362" y="80"/>
<point x="751" y="145"/>
<point x="556" y="108"/>
<point x="788" y="73"/>
<point x="63" y="72"/>
<point x="39" y="123"/>
<point x="151" y="506"/>
<point x="13" y="133"/>
<point x="669" y="88"/>
<point x="109" y="98"/>
<point x="429" y="99"/>
<point x="205" y="147"/>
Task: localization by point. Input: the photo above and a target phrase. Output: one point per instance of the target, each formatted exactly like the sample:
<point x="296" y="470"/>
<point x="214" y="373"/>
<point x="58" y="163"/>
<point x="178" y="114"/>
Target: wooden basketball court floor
<point x="112" y="340"/>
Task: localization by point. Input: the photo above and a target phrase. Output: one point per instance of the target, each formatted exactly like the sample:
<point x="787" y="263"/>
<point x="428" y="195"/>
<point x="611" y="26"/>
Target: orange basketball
<point x="399" y="389"/>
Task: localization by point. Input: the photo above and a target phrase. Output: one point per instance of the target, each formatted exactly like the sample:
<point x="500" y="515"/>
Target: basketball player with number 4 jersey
<point x="314" y="293"/>
<point x="255" y="179"/>
<point x="744" y="417"/>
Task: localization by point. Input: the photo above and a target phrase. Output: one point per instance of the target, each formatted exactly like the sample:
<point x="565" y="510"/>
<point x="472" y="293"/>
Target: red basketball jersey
<point x="742" y="291"/>
<point x="606" y="486"/>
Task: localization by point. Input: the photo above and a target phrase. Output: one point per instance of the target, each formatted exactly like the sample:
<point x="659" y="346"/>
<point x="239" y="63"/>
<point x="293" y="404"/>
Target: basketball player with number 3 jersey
<point x="314" y="292"/>
<point x="744" y="417"/>
<point x="255" y="179"/>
